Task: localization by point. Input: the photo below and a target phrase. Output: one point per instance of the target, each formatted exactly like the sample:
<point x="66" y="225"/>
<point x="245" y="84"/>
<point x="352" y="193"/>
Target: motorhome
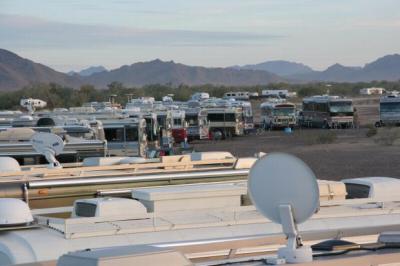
<point x="237" y="95"/>
<point x="185" y="224"/>
<point x="126" y="137"/>
<point x="389" y="110"/>
<point x="179" y="126"/>
<point x="200" y="96"/>
<point x="276" y="114"/>
<point x="197" y="124"/>
<point x="327" y="112"/>
<point x="80" y="142"/>
<point x="224" y="120"/>
<point x="247" y="111"/>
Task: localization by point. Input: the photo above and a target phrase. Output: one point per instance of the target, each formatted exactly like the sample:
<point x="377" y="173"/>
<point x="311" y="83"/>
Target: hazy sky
<point x="75" y="34"/>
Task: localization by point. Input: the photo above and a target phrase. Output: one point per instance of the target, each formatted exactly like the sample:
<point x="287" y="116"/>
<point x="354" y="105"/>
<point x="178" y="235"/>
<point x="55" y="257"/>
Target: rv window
<point x="191" y="119"/>
<point x="177" y="121"/>
<point x="215" y="117"/>
<point x="83" y="209"/>
<point x="114" y="134"/>
<point x="357" y="191"/>
<point x="131" y="134"/>
<point x="230" y="117"/>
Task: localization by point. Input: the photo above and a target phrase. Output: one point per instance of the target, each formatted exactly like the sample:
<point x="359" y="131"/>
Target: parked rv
<point x="278" y="114"/>
<point x="389" y="110"/>
<point x="327" y="112"/>
<point x="179" y="128"/>
<point x="224" y="120"/>
<point x="126" y="137"/>
<point x="237" y="95"/>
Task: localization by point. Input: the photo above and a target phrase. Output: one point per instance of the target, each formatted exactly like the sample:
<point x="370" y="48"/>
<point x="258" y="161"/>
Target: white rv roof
<point x="326" y="98"/>
<point x="390" y="98"/>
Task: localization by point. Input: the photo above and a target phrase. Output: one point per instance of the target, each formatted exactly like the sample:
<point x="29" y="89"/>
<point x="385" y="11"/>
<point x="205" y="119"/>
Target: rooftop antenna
<point x="285" y="190"/>
<point x="49" y="145"/>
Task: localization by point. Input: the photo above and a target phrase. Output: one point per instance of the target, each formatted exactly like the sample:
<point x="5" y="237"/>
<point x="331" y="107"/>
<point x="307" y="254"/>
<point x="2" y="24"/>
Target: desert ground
<point x="332" y="154"/>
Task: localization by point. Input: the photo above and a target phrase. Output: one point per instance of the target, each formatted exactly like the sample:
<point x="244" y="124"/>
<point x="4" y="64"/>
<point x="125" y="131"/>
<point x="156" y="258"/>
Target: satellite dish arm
<point x="289" y="226"/>
<point x="51" y="158"/>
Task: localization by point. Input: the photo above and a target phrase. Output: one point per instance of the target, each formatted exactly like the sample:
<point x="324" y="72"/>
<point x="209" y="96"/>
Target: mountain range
<point x="17" y="72"/>
<point x="279" y="67"/>
<point x="88" y="71"/>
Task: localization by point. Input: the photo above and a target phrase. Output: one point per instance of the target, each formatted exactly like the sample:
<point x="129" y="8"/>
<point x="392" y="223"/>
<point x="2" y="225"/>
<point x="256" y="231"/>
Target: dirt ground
<point x="352" y="154"/>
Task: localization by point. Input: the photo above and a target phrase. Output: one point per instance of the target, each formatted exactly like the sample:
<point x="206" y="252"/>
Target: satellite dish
<point x="285" y="190"/>
<point x="50" y="145"/>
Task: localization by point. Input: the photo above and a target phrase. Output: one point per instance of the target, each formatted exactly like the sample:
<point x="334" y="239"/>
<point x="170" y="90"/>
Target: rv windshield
<point x="191" y="119"/>
<point x="341" y="107"/>
<point x="284" y="111"/>
<point x="390" y="107"/>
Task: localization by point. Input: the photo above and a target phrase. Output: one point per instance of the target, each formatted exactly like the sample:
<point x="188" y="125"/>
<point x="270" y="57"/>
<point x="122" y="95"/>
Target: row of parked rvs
<point x="149" y="128"/>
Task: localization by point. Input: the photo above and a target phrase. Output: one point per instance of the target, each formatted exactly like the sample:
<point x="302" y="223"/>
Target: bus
<point x="327" y="112"/>
<point x="389" y="110"/>
<point x="277" y="114"/>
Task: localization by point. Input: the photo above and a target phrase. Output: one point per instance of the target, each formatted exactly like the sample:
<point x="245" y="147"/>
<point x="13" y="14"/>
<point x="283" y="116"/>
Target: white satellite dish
<point x="285" y="190"/>
<point x="50" y="145"/>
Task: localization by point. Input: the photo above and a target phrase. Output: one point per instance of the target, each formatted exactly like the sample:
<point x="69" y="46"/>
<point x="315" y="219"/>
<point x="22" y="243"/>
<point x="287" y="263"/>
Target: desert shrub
<point x="387" y="136"/>
<point x="372" y="131"/>
<point x="320" y="137"/>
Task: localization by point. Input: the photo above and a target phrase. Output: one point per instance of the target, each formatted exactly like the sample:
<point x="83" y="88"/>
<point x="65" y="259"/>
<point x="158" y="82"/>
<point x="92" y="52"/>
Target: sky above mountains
<point x="74" y="34"/>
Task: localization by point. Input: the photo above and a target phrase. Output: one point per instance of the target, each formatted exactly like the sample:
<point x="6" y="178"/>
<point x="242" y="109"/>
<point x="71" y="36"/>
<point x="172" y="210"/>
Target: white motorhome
<point x="126" y="137"/>
<point x="224" y="119"/>
<point x="200" y="96"/>
<point x="278" y="114"/>
<point x="197" y="124"/>
<point x="247" y="111"/>
<point x="372" y="91"/>
<point x="237" y="95"/>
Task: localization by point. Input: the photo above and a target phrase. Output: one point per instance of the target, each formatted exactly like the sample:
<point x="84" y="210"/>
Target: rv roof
<point x="326" y="98"/>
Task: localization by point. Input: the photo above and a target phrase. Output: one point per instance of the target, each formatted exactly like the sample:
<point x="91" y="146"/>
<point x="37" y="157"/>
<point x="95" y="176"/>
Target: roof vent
<point x="14" y="212"/>
<point x="9" y="164"/>
<point x="109" y="207"/>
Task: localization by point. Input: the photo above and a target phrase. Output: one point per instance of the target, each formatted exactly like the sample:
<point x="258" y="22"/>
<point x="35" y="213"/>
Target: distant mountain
<point x="161" y="72"/>
<point x="279" y="67"/>
<point x="88" y="71"/>
<point x="384" y="68"/>
<point x="17" y="72"/>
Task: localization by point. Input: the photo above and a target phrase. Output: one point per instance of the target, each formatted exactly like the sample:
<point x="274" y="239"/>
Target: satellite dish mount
<point x="49" y="145"/>
<point x="294" y="251"/>
<point x="285" y="190"/>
